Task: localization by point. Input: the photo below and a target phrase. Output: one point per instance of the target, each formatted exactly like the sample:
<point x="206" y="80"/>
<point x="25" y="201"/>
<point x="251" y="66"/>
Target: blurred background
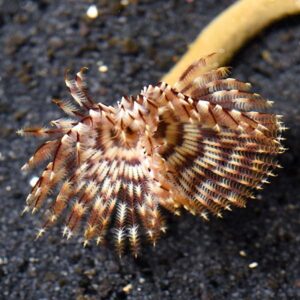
<point x="251" y="253"/>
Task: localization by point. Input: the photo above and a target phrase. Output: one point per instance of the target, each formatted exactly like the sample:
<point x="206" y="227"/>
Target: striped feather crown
<point x="204" y="144"/>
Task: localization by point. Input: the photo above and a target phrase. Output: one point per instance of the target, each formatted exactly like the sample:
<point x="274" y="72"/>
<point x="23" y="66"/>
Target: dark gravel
<point x="138" y="43"/>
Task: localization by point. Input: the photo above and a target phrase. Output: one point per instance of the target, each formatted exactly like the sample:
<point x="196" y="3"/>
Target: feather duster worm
<point x="203" y="144"/>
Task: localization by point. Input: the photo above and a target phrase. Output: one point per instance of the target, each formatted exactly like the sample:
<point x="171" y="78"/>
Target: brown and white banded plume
<point x="204" y="144"/>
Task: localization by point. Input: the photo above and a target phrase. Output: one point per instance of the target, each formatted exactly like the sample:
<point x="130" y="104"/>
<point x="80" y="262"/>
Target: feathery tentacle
<point x="204" y="144"/>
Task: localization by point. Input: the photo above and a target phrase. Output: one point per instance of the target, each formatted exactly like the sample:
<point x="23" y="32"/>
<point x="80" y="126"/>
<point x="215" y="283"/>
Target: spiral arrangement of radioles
<point x="204" y="144"/>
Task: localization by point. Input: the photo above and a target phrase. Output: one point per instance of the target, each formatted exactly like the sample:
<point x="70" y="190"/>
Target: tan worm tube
<point x="231" y="29"/>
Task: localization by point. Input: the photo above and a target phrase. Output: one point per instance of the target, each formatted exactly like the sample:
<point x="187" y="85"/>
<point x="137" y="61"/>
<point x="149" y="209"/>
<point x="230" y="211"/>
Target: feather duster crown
<point x="203" y="144"/>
